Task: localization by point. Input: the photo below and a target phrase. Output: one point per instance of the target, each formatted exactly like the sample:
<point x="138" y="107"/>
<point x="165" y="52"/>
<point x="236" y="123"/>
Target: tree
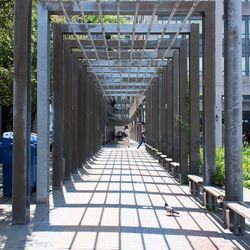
<point x="6" y="59"/>
<point x="6" y="52"/>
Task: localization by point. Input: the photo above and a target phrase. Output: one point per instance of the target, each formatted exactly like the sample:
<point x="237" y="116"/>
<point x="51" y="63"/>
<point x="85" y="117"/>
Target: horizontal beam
<point x="124" y="85"/>
<point x="138" y="44"/>
<point x="126" y="63"/>
<point x="125" y="55"/>
<point x="125" y="7"/>
<point x="123" y="70"/>
<point x="124" y="90"/>
<point x="139" y="82"/>
<point x="119" y="87"/>
<point x="125" y="29"/>
<point x="126" y="75"/>
<point x="122" y="94"/>
<point x="124" y="79"/>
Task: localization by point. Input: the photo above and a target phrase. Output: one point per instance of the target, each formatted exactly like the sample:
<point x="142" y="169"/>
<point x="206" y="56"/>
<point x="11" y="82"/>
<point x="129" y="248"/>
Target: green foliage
<point x="6" y="52"/>
<point x="246" y="166"/>
<point x="7" y="41"/>
<point x="183" y="123"/>
<point x="220" y="166"/>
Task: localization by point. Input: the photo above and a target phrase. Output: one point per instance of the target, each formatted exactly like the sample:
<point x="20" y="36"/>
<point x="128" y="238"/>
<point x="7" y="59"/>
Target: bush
<point x="220" y="166"/>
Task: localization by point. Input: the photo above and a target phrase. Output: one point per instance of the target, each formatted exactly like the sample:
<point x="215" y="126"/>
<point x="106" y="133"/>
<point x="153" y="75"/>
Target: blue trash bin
<point x="6" y="159"/>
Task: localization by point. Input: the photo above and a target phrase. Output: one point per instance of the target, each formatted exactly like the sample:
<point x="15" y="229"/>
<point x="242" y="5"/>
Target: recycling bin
<point x="6" y="147"/>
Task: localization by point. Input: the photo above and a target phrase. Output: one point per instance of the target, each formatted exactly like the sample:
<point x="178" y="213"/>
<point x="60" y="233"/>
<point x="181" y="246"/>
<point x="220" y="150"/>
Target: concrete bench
<point x="167" y="163"/>
<point x="153" y="152"/>
<point x="158" y="155"/>
<point x="148" y="148"/>
<point x="211" y="195"/>
<point x="195" y="183"/>
<point x="234" y="214"/>
<point x="175" y="169"/>
<point x="161" y="159"/>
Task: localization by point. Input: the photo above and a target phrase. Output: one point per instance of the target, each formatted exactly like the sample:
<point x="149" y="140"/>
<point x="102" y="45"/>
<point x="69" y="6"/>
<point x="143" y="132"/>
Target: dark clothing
<point x="142" y="139"/>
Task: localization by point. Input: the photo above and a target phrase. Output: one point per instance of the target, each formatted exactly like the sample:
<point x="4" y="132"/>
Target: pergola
<point x="94" y="62"/>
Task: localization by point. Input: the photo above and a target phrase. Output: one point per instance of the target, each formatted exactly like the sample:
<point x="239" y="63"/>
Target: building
<point x="219" y="67"/>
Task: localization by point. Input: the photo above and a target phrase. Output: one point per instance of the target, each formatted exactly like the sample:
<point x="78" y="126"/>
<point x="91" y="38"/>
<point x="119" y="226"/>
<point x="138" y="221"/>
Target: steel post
<point x="43" y="106"/>
<point x="184" y="112"/>
<point x="21" y="113"/>
<point x="58" y="163"/>
<point x="209" y="170"/>
<point x="175" y="107"/>
<point x="194" y="94"/>
<point x="233" y="100"/>
<point x="169" y="109"/>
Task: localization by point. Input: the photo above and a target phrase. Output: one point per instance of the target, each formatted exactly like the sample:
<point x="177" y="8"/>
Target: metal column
<point x="58" y="164"/>
<point x="74" y="113"/>
<point x="22" y="112"/>
<point x="184" y="121"/>
<point x="175" y="106"/>
<point x="67" y="71"/>
<point x="169" y="109"/>
<point x="194" y="94"/>
<point x="209" y="98"/>
<point x="233" y="100"/>
<point x="164" y="112"/>
<point x="160" y="112"/>
<point x="43" y="106"/>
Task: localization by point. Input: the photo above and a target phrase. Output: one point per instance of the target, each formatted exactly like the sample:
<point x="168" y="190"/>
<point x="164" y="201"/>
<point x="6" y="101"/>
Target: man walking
<point x="142" y="138"/>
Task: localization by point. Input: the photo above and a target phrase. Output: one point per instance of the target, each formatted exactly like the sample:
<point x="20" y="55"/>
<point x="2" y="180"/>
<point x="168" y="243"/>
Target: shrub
<point x="220" y="166"/>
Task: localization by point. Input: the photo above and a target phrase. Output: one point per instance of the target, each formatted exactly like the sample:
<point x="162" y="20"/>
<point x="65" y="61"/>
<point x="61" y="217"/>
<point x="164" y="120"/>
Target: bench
<point x="195" y="183"/>
<point x="211" y="195"/>
<point x="167" y="163"/>
<point x="175" y="169"/>
<point x="148" y="148"/>
<point x="234" y="214"/>
<point x="157" y="155"/>
<point x="161" y="159"/>
<point x="153" y="152"/>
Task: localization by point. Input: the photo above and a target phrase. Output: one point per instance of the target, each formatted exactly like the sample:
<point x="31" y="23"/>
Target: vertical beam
<point x="147" y="130"/>
<point x="160" y="112"/>
<point x="194" y="90"/>
<point x="219" y="31"/>
<point x="148" y="127"/>
<point x="209" y="97"/>
<point x="154" y="115"/>
<point x="21" y="115"/>
<point x="67" y="73"/>
<point x="78" y="112"/>
<point x="82" y="97"/>
<point x="169" y="109"/>
<point x="164" y="112"/>
<point x="156" y="104"/>
<point x="58" y="107"/>
<point x="233" y="100"/>
<point x="87" y="103"/>
<point x="175" y="106"/>
<point x="184" y="128"/>
<point x="43" y="108"/>
<point x="74" y="112"/>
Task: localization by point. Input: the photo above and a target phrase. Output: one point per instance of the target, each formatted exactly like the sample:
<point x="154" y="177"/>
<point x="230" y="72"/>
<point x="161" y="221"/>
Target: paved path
<point x="116" y="202"/>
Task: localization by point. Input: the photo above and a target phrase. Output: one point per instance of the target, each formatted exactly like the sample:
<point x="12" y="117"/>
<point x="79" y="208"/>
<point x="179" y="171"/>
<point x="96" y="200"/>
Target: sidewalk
<point x="116" y="202"/>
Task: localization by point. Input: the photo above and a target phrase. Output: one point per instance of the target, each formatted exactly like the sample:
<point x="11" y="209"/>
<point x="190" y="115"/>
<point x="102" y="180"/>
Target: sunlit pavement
<point x="116" y="202"/>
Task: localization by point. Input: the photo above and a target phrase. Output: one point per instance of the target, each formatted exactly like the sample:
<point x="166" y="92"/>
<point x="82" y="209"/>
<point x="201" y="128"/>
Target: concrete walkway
<point x="116" y="202"/>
